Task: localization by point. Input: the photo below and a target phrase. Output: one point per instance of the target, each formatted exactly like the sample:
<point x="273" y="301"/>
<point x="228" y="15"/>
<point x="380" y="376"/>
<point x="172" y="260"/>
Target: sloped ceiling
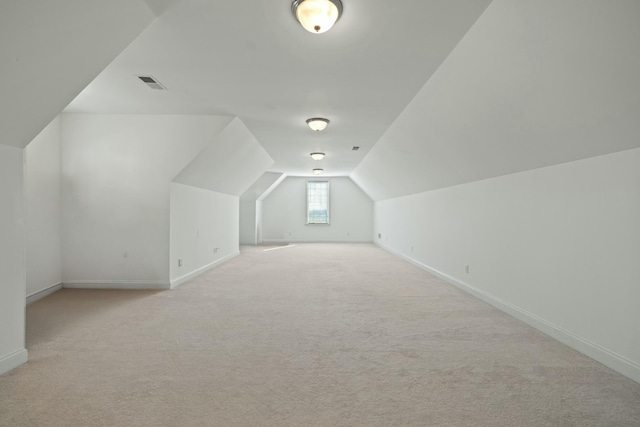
<point x="533" y="83"/>
<point x="229" y="164"/>
<point x="252" y="60"/>
<point x="263" y="186"/>
<point x="51" y="50"/>
<point x="159" y="7"/>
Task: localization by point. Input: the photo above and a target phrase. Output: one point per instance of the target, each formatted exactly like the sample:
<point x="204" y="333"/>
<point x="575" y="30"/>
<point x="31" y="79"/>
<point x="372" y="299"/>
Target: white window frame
<point x="328" y="202"/>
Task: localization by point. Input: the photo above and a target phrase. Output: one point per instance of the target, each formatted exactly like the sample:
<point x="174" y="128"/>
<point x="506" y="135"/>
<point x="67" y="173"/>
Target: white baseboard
<point x="13" y="360"/>
<point x="115" y="284"/>
<point x="280" y="241"/>
<point x="186" y="277"/>
<point x="35" y="296"/>
<point x="618" y="363"/>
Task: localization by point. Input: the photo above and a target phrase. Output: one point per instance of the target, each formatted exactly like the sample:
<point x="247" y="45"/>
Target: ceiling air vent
<point x="355" y="148"/>
<point x="152" y="82"/>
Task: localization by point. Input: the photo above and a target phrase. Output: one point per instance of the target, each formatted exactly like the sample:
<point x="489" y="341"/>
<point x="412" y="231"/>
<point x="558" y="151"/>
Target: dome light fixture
<point x="318" y="171"/>
<point x="317" y="16"/>
<point x="317" y="156"/>
<point x="317" y="123"/>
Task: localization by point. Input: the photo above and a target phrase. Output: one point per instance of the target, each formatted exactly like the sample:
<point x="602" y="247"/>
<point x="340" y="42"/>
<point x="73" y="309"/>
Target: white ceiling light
<point x="318" y="171"/>
<point x="317" y="156"/>
<point x="317" y="16"/>
<point x="317" y="123"/>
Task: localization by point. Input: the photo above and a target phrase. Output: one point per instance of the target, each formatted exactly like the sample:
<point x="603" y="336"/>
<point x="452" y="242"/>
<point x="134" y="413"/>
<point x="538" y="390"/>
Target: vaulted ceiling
<point x="434" y="92"/>
<point x="253" y="60"/>
<point x="51" y="50"/>
<point x="532" y="84"/>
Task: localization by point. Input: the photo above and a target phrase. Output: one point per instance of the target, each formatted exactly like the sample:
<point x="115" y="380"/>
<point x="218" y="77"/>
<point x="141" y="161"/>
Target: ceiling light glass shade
<point x="317" y="156"/>
<point x="318" y="171"/>
<point x="317" y="123"/>
<point x="317" y="16"/>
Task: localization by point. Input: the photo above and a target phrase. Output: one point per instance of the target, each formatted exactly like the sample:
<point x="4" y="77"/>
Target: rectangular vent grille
<point x="152" y="82"/>
<point x="355" y="148"/>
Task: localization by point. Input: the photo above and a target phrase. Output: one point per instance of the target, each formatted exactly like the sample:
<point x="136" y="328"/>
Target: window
<point x="317" y="202"/>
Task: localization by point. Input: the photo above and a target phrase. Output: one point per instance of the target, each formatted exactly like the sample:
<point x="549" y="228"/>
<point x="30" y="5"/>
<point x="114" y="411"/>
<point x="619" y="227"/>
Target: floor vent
<point x="152" y="82"/>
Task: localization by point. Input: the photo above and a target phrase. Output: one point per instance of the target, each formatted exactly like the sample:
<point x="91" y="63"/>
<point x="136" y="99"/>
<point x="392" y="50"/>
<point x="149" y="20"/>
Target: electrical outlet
<point x="125" y="254"/>
<point x="179" y="263"/>
<point x="466" y="268"/>
<point x="379" y="235"/>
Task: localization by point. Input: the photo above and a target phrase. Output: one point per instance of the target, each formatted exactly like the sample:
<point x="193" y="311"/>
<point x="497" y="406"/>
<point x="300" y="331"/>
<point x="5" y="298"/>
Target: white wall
<point x="43" y="210"/>
<point x="558" y="247"/>
<point x="12" y="260"/>
<point x="248" y="222"/>
<point x="284" y="213"/>
<point x="117" y="171"/>
<point x="251" y="207"/>
<point x="204" y="230"/>
<point x="259" y="222"/>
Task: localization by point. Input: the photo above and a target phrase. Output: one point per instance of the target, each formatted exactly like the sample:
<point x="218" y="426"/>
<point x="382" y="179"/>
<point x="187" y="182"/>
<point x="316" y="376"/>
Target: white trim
<point x="186" y="277"/>
<point x="603" y="355"/>
<point x="274" y="241"/>
<point x="13" y="360"/>
<point x="38" y="295"/>
<point x="115" y="284"/>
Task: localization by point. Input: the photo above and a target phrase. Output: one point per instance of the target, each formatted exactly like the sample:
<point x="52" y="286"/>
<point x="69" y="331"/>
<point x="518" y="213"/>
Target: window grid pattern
<point x="317" y="202"/>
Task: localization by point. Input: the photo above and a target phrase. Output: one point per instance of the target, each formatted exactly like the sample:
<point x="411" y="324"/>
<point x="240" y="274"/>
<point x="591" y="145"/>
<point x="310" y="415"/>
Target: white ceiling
<point x="51" y="50"/>
<point x="251" y="59"/>
<point x="445" y="96"/>
<point x="230" y="163"/>
<point x="532" y="84"/>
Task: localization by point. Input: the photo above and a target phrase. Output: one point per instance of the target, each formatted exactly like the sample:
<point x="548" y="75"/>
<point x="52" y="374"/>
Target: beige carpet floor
<point x="309" y="335"/>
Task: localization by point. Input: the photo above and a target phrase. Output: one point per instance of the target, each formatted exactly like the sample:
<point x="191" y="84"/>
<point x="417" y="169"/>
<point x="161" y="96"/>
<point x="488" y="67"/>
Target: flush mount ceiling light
<point x="317" y="16"/>
<point x="317" y="123"/>
<point x="317" y="156"/>
<point x="318" y="171"/>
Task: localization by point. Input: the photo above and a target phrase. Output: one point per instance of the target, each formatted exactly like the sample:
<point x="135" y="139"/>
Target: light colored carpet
<point x="311" y="335"/>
